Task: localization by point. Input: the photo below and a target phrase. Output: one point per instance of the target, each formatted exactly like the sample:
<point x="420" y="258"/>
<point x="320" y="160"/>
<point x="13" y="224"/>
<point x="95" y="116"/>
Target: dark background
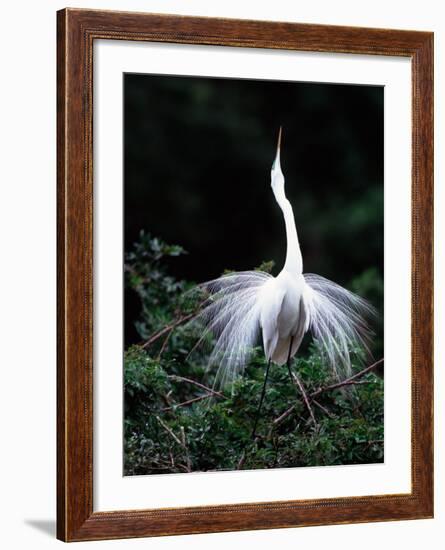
<point x="198" y="154"/>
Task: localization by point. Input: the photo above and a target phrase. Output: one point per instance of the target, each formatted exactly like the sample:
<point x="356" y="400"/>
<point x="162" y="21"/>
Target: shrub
<point x="174" y="422"/>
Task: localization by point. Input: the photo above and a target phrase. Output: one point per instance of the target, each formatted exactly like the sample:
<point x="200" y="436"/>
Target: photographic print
<point x="243" y="241"/>
<point x="253" y="261"/>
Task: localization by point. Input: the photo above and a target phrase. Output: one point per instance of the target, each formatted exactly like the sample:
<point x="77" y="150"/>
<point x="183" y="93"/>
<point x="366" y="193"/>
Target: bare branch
<point x="323" y="408"/>
<point x="166" y="330"/>
<point x="184" y="444"/>
<point x="284" y="415"/>
<point x="241" y="460"/>
<point x="195" y="383"/>
<point x="305" y="398"/>
<point x="348" y="381"/>
<point x="188" y="402"/>
<point x="164" y="345"/>
<point x="169" y="431"/>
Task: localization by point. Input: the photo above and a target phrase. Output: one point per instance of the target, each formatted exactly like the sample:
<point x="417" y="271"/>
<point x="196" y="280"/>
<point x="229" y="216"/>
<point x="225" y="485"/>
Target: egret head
<point x="276" y="175"/>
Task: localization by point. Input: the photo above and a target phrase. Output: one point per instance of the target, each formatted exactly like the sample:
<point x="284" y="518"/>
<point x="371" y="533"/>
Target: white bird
<point x="242" y="305"/>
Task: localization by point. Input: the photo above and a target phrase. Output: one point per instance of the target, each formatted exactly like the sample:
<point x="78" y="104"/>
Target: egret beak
<point x="279" y="140"/>
<point x="276" y="162"/>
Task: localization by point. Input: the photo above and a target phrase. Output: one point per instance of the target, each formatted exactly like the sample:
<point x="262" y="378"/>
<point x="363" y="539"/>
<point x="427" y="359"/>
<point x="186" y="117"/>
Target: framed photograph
<point x="245" y="230"/>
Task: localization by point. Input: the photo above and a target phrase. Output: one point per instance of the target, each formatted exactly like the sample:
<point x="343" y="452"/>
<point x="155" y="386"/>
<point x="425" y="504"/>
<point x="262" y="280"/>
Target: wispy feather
<point x="231" y="316"/>
<point x="241" y="307"/>
<point x="338" y="322"/>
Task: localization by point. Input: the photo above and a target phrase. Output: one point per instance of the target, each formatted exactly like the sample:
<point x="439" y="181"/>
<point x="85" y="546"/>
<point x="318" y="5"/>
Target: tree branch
<point x="169" y="431"/>
<point x="166" y="330"/>
<point x="188" y="402"/>
<point x="164" y="345"/>
<point x="323" y="408"/>
<point x="284" y="415"/>
<point x="184" y="444"/>
<point x="195" y="383"/>
<point x="349" y="381"/>
<point x="305" y="398"/>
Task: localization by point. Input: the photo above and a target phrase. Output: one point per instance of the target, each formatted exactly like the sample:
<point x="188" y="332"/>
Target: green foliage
<point x="174" y="424"/>
<point x="159" y="293"/>
<point x="267" y="267"/>
<point x="370" y="285"/>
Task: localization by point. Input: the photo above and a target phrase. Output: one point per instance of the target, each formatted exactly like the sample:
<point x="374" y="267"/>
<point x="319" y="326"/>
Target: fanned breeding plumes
<point x="338" y="322"/>
<point x="240" y="307"/>
<point x="230" y="313"/>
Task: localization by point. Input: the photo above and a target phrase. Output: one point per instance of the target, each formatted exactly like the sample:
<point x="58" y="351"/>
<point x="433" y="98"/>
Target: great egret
<point x="242" y="305"/>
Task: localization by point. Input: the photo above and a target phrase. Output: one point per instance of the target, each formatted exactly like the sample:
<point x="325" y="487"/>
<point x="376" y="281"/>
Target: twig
<point x="184" y="468"/>
<point x="195" y="383"/>
<point x="166" y="330"/>
<point x="305" y="398"/>
<point x="169" y="431"/>
<point x="184" y="444"/>
<point x="348" y="381"/>
<point x="284" y="415"/>
<point x="185" y="403"/>
<point x="244" y="453"/>
<point x="241" y="461"/>
<point x="172" y="460"/>
<point x="157" y="468"/>
<point x="371" y="442"/>
<point x="324" y="409"/>
<point x="166" y="399"/>
<point x="164" y="345"/>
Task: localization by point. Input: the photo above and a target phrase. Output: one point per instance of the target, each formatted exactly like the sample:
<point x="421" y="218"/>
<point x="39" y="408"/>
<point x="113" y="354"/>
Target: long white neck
<point x="294" y="260"/>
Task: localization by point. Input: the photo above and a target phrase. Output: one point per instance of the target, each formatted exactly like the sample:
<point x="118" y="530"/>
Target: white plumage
<point x="244" y="305"/>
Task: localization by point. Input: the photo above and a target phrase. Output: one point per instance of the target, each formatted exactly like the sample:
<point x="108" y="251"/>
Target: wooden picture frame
<point x="76" y="32"/>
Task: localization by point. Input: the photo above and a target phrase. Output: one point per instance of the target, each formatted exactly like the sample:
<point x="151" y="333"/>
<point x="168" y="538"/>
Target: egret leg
<point x="261" y="400"/>
<point x="288" y="361"/>
<point x="299" y="384"/>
